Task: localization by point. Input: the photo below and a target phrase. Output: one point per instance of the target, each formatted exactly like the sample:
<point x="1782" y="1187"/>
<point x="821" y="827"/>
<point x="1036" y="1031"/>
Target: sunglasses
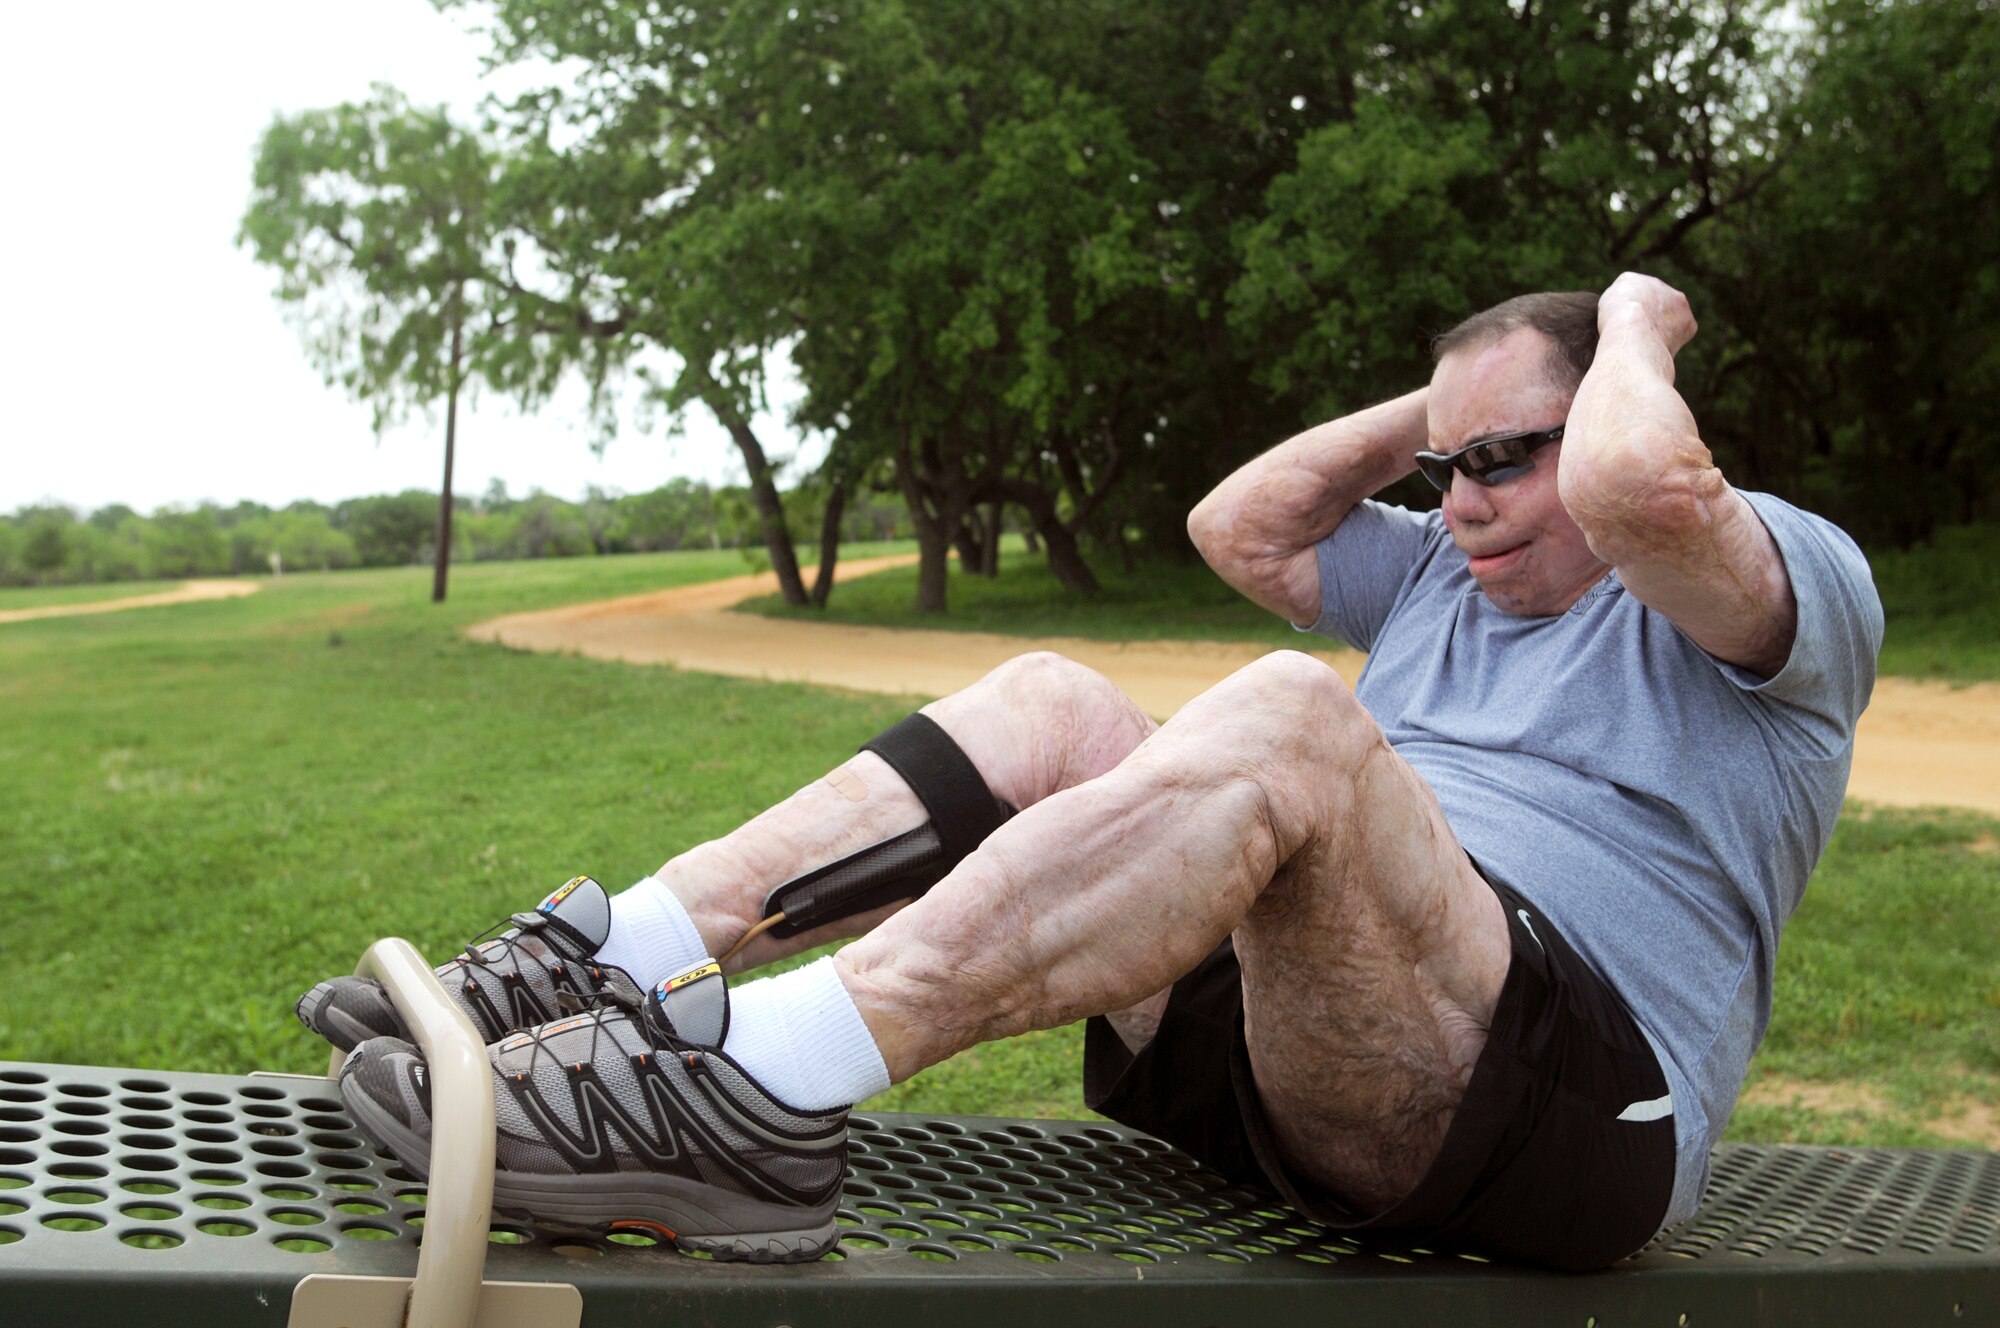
<point x="1490" y="461"/>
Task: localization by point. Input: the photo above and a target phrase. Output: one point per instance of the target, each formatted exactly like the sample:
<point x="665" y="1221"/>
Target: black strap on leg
<point x="963" y="811"/>
<point x="944" y="779"/>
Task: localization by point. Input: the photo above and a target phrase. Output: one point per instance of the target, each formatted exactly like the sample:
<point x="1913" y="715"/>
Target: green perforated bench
<point x="146" y="1197"/>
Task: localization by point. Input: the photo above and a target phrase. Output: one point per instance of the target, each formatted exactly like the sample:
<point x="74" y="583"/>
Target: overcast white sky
<point x="142" y="358"/>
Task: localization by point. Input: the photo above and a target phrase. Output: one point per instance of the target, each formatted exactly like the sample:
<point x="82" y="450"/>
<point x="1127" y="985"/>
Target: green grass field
<point x="209" y="807"/>
<point x="1943" y="612"/>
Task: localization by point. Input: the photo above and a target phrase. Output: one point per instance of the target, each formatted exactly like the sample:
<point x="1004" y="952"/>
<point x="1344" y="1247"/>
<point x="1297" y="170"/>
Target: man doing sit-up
<point x="1479" y="949"/>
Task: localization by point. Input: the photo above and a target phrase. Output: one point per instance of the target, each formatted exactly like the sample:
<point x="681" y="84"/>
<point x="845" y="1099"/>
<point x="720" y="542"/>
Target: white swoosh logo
<point x="1657" y="1109"/>
<point x="1529" y="923"/>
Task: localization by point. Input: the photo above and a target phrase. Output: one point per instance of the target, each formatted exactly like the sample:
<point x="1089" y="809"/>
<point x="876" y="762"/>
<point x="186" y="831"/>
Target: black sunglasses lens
<point x="1495" y="461"/>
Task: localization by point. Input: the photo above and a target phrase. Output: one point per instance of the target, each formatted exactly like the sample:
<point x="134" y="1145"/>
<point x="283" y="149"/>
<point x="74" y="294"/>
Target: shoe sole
<point x="692" y="1216"/>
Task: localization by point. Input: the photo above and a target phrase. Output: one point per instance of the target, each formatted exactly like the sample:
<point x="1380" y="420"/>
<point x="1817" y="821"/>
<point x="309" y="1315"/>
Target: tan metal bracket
<point x="334" y="1301"/>
<point x="448" y="1290"/>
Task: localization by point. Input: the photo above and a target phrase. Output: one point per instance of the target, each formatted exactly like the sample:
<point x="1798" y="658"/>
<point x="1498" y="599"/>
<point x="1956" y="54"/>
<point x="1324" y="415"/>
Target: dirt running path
<point x="188" y="592"/>
<point x="1920" y="743"/>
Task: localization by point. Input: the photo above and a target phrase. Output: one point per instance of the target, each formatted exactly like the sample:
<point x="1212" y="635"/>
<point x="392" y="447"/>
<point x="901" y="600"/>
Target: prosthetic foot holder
<point x="963" y="811"/>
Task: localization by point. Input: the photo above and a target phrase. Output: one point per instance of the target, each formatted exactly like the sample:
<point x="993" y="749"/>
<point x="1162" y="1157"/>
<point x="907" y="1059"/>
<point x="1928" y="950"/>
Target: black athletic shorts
<point x="1536" y="1164"/>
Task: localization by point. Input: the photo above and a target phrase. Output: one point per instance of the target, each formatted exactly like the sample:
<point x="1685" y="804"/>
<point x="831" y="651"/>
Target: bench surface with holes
<point x="205" y="1198"/>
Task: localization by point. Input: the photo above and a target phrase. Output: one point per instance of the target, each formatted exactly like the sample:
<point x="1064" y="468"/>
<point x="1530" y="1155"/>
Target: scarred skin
<point x="1271" y="808"/>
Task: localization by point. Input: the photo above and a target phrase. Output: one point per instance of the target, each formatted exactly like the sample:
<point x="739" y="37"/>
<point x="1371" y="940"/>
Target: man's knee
<point x="1042" y="681"/>
<point x="1287" y="725"/>
<point x="1040" y="723"/>
<point x="1290" y="713"/>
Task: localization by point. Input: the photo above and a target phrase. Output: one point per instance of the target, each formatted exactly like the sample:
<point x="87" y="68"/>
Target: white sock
<point x="652" y="937"/>
<point x="801" y="1038"/>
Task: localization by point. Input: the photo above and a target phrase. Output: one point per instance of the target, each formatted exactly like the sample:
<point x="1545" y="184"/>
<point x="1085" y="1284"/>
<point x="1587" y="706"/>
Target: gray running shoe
<point x="540" y="969"/>
<point x="628" y="1116"/>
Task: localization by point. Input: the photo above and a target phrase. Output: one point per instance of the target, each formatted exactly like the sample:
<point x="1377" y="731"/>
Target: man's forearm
<point x="1258" y="528"/>
<point x="1640" y="484"/>
<point x="1633" y="455"/>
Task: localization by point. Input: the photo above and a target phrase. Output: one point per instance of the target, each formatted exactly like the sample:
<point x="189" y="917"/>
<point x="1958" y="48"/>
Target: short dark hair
<point x="1567" y="318"/>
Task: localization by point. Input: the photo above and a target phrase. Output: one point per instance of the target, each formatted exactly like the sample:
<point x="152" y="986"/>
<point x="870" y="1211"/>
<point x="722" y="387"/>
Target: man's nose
<point x="1468" y="500"/>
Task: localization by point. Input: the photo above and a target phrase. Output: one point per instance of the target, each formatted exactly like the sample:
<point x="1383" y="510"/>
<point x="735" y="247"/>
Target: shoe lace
<point x="590" y="986"/>
<point x="610" y="1003"/>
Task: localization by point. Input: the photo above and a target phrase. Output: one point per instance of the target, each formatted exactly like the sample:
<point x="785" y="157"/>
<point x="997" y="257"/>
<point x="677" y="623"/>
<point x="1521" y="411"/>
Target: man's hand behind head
<point x="1664" y="309"/>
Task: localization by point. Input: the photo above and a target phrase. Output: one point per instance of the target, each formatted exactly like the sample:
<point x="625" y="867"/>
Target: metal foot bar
<point x="452" y="1258"/>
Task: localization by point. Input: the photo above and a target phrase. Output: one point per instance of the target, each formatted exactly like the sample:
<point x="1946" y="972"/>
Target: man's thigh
<point x="1371" y="962"/>
<point x="1562" y="1150"/>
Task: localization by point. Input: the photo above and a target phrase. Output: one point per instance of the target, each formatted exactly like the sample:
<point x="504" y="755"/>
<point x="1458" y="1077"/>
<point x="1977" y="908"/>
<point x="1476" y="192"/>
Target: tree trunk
<point x="933" y="565"/>
<point x="1065" y="559"/>
<point x="989" y="567"/>
<point x="770" y="508"/>
<point x="1031" y="539"/>
<point x="971" y="549"/>
<point x="934" y="534"/>
<point x="450" y="445"/>
<point x="829" y="544"/>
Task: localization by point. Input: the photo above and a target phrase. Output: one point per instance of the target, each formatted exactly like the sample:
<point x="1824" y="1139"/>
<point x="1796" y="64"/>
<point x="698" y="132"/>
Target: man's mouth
<point x="1485" y="564"/>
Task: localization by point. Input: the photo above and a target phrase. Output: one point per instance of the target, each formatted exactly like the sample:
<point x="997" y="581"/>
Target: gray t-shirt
<point x="1662" y="807"/>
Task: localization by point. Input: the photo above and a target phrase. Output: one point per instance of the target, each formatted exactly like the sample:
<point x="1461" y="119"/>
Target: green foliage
<point x="390" y="530"/>
<point x="673" y="516"/>
<point x="184" y="544"/>
<point x="1456" y="155"/>
<point x="1942" y="615"/>
<point x="50" y="545"/>
<point x="547" y="527"/>
<point x="395" y="530"/>
<point x="965" y="224"/>
<point x="307" y="540"/>
<point x="1371" y="219"/>
<point x="375" y="217"/>
<point x="1080" y="260"/>
<point x="1855" y="362"/>
<point x="41" y="545"/>
<point x="120" y="553"/>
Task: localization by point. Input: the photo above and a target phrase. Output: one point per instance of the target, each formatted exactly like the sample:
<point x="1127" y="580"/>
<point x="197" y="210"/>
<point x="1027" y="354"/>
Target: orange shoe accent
<point x="651" y="1228"/>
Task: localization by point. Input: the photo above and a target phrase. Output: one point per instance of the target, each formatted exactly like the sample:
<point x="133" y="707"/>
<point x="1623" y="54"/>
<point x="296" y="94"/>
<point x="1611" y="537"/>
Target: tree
<point x="300" y="540"/>
<point x="376" y="217"/>
<point x="117" y="554"/>
<point x="599" y="267"/>
<point x="389" y="530"/>
<point x="677" y="515"/>
<point x="44" y="540"/>
<point x="1453" y="156"/>
<point x="1857" y="328"/>
<point x="184" y="544"/>
<point x="111" y="516"/>
<point x="551" y="528"/>
<point x="938" y="209"/>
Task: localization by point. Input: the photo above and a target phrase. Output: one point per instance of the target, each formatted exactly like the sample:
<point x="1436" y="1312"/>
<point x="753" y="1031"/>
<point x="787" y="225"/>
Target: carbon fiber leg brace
<point x="963" y="811"/>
